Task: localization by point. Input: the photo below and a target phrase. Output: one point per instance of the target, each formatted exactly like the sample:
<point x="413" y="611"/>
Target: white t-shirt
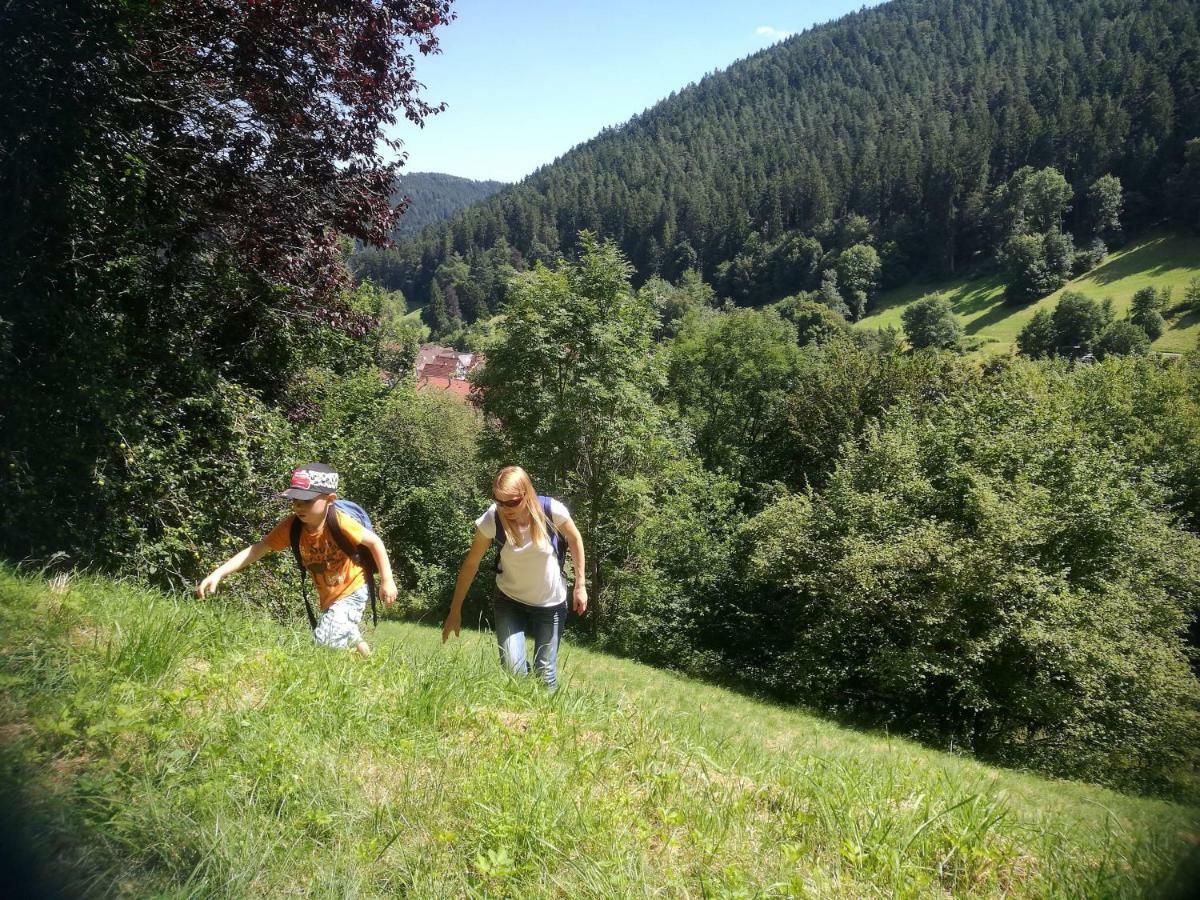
<point x="528" y="573"/>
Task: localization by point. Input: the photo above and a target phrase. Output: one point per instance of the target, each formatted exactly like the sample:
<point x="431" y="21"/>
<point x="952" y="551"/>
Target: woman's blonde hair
<point x="515" y="480"/>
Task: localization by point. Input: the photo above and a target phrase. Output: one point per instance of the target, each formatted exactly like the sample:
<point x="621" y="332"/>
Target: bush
<point x="992" y="577"/>
<point x="180" y="481"/>
<point x="1145" y="311"/>
<point x="674" y="567"/>
<point x="930" y="322"/>
<point x="1122" y="339"/>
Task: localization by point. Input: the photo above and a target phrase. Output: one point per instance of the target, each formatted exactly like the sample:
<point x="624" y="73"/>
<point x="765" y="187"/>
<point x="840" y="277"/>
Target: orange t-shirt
<point x="334" y="573"/>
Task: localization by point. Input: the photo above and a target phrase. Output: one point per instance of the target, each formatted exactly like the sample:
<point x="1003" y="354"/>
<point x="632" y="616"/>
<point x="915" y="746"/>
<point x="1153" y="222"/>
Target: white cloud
<point x="773" y="34"/>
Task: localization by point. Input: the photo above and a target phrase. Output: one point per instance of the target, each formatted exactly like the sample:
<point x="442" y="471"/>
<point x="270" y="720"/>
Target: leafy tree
<point x="730" y="376"/>
<point x="930" y="322"/>
<point x="1122" y="338"/>
<point x="177" y="177"/>
<point x="1033" y="201"/>
<point x="1036" y="265"/>
<point x="1038" y="339"/>
<point x="842" y="388"/>
<point x="815" y="322"/>
<point x="1104" y="203"/>
<point x="675" y="303"/>
<point x="569" y="378"/>
<point x="858" y="275"/>
<point x="1145" y="311"/>
<point x="1079" y="321"/>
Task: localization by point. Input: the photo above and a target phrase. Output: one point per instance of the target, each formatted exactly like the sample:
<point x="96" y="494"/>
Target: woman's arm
<point x="466" y="574"/>
<point x="575" y="544"/>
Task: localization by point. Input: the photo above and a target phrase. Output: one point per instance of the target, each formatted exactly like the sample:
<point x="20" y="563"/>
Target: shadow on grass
<point x="979" y="295"/>
<point x="994" y="316"/>
<point x="1186" y="321"/>
<point x="1149" y="260"/>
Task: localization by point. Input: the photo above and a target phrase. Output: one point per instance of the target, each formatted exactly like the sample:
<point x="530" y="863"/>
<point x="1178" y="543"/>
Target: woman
<point x="531" y="595"/>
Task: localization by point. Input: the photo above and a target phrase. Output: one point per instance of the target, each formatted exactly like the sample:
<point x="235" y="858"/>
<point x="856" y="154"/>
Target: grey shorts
<point x="338" y="625"/>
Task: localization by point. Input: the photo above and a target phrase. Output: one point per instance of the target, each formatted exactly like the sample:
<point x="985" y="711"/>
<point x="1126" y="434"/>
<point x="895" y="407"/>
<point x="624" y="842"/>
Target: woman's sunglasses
<point x="509" y="503"/>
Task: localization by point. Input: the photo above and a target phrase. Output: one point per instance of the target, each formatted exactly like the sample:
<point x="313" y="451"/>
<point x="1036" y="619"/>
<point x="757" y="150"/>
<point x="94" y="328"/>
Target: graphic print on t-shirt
<point x="334" y="574"/>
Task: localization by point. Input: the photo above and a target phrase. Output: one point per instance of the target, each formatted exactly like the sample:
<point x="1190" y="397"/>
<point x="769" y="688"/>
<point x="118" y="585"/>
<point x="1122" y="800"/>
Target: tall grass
<point x="190" y="750"/>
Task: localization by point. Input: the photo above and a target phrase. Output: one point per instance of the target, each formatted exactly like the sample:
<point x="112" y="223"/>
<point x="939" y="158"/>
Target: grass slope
<point x="1161" y="260"/>
<point x="180" y="749"/>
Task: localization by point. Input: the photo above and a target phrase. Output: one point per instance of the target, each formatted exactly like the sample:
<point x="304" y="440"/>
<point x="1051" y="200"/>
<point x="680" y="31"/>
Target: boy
<point x="341" y="582"/>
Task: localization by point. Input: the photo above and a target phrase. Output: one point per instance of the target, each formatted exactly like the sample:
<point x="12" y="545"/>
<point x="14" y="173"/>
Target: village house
<point x="446" y="369"/>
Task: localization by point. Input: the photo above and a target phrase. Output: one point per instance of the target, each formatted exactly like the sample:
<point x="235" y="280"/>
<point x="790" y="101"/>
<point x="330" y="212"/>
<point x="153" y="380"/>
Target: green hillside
<point x="434" y="196"/>
<point x="179" y="749"/>
<point x="909" y="115"/>
<point x="1161" y="260"/>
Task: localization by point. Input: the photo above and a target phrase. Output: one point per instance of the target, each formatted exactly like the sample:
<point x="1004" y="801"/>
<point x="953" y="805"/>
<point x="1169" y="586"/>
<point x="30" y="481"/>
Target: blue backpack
<point x="360" y="554"/>
<point x="557" y="544"/>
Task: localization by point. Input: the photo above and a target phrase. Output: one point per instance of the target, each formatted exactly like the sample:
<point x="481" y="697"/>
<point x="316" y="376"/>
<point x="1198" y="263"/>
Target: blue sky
<point x="527" y="80"/>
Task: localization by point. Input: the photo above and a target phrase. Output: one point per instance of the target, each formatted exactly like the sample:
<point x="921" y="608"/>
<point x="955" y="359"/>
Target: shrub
<point x="930" y="322"/>
<point x="1122" y="339"/>
<point x="1145" y="311"/>
<point x="992" y="577"/>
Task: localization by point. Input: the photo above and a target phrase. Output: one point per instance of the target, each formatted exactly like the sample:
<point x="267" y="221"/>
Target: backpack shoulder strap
<point x="358" y="554"/>
<point x="341" y="538"/>
<point x="501" y="536"/>
<point x="556" y="539"/>
<point x="294" y="534"/>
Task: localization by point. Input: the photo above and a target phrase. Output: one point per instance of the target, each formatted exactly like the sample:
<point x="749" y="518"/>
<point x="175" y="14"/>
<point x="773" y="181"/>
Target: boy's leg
<point x="547" y="630"/>
<point x="338" y="626"/>
<point x="510" y="634"/>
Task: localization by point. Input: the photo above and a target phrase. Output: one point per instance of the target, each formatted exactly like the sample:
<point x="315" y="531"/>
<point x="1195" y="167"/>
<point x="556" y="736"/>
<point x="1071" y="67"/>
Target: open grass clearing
<point x="183" y="749"/>
<point x="1161" y="260"/>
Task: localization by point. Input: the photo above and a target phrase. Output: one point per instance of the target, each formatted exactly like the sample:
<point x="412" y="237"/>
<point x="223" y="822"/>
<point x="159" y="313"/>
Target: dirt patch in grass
<point x="12" y="732"/>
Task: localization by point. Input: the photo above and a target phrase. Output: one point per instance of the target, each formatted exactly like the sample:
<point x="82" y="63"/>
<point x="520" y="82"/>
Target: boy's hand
<point x="453" y="624"/>
<point x="209" y="585"/>
<point x="387" y="591"/>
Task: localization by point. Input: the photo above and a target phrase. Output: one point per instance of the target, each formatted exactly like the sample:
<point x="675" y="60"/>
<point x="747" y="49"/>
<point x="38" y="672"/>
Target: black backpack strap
<point x="500" y="539"/>
<point x="556" y="539"/>
<point x="295" y="541"/>
<point x="360" y="554"/>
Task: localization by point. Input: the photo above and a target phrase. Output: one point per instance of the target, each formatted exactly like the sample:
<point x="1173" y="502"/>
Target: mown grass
<point x="171" y="748"/>
<point x="1161" y="260"/>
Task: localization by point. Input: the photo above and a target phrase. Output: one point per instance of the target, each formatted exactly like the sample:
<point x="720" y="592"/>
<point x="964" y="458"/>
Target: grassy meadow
<point x="171" y="748"/>
<point x="1161" y="260"/>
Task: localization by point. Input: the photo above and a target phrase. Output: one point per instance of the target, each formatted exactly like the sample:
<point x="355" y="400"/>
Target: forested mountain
<point x="434" y="196"/>
<point x="892" y="127"/>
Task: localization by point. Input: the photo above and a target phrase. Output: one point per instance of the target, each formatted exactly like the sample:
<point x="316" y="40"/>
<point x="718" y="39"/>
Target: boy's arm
<point x="235" y="563"/>
<point x="387" y="586"/>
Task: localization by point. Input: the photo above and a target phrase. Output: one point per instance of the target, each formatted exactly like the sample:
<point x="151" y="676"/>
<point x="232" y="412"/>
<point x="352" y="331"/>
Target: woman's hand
<point x="453" y="624"/>
<point x="580" y="598"/>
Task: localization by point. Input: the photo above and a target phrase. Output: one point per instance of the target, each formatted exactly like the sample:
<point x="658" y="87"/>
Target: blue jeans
<point x="545" y="623"/>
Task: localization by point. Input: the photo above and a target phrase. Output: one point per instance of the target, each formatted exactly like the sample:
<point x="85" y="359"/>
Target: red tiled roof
<point x="457" y="386"/>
